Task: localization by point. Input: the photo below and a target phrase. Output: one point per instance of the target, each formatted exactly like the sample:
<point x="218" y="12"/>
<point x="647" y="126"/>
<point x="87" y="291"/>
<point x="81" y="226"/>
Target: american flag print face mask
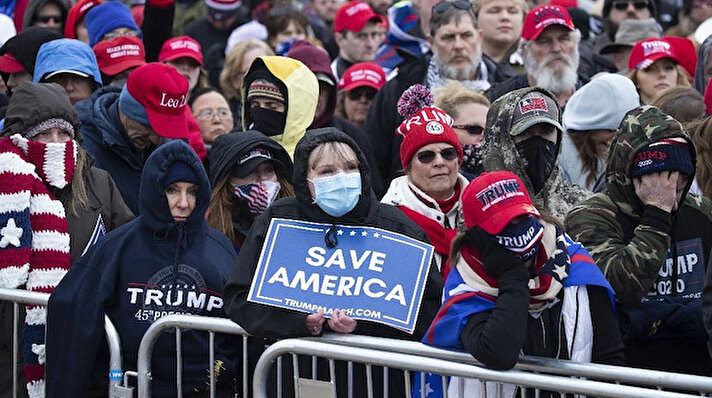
<point x="258" y="195"/>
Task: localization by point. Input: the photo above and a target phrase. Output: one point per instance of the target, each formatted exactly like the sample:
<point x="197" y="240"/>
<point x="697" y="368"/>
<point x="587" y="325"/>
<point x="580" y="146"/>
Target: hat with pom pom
<point x="424" y="123"/>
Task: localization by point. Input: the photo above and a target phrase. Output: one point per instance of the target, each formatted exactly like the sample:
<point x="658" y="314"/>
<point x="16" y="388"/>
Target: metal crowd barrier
<point x="116" y="375"/>
<point x="535" y="372"/>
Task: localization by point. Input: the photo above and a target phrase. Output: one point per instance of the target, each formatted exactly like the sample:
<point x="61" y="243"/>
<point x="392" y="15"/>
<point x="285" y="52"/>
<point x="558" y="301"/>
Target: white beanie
<point x="601" y="104"/>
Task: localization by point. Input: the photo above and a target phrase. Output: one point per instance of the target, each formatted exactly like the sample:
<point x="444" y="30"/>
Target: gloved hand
<point x="496" y="259"/>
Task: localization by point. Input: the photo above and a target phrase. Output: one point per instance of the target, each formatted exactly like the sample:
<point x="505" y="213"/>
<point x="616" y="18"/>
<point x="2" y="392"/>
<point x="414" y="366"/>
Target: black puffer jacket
<point x="275" y="322"/>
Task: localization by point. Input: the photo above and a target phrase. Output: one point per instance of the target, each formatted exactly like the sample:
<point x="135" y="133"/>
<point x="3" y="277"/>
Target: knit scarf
<point x="551" y="268"/>
<point x="440" y="237"/>
<point x="34" y="240"/>
<point x="435" y="79"/>
<point x="54" y="162"/>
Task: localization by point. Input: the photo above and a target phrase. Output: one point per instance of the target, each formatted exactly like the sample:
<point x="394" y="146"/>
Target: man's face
<point x="141" y="136"/>
<point x="325" y="9"/>
<point x="500" y="21"/>
<point x="552" y="59"/>
<point x="457" y="48"/>
<point x="79" y="88"/>
<point x="223" y="25"/>
<point x="16" y="78"/>
<point x="50" y="16"/>
<point x="628" y="9"/>
<point x="380" y="6"/>
<point x="360" y="46"/>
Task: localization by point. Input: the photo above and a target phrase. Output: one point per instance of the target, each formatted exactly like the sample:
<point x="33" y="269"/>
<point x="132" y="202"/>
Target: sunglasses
<point x="46" y="18"/>
<point x="473" y="129"/>
<point x="426" y="157"/>
<point x="637" y="4"/>
<point x="357" y="93"/>
<point x="459" y="4"/>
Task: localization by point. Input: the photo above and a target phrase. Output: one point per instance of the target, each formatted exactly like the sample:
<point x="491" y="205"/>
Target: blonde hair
<point x="75" y="198"/>
<point x="701" y="133"/>
<point x="233" y="64"/>
<point x="454" y="94"/>
<point x="332" y="150"/>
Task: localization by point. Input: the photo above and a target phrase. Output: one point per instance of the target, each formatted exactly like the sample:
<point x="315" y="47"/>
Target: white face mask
<point x="259" y="196"/>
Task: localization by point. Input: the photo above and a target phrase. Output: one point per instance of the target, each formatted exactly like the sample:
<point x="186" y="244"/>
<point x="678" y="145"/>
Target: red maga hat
<point x="540" y="18"/>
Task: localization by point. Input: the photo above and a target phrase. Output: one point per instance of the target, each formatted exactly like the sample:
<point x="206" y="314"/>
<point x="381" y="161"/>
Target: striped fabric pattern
<point x="34" y="246"/>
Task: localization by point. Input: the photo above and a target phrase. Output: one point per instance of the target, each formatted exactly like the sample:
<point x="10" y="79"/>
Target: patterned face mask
<point x="258" y="195"/>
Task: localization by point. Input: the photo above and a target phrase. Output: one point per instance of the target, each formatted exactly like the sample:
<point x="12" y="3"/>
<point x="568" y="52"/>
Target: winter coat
<point x="499" y="153"/>
<point x="107" y="142"/>
<point x="658" y="284"/>
<point x="131" y="275"/>
<point x="302" y="94"/>
<point x="262" y="320"/>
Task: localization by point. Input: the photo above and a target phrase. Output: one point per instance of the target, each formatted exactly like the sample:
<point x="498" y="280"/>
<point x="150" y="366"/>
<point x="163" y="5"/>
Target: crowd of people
<point x="557" y="156"/>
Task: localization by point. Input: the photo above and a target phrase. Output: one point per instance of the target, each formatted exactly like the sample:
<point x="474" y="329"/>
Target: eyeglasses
<point x="128" y="32"/>
<point x="472" y="129"/>
<point x="637" y="4"/>
<point x="46" y="18"/>
<point x="207" y="114"/>
<point x="459" y="4"/>
<point x="426" y="157"/>
<point x="358" y="93"/>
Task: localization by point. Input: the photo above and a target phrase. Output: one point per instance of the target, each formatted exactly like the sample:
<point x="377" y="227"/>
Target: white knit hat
<point x="601" y="103"/>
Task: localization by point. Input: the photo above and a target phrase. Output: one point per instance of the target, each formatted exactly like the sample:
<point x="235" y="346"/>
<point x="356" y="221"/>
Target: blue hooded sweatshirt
<point x="148" y="268"/>
<point x="66" y="55"/>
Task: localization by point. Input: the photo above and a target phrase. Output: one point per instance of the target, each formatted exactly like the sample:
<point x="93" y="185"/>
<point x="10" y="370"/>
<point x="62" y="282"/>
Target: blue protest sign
<point x="372" y="274"/>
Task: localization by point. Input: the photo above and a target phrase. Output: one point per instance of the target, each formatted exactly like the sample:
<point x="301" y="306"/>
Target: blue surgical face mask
<point x="337" y="194"/>
<point x="522" y="238"/>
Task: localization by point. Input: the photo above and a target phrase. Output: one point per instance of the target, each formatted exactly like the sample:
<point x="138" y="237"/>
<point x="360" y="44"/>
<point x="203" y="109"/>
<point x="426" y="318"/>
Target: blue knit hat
<point x="106" y="17"/>
<point x="180" y="172"/>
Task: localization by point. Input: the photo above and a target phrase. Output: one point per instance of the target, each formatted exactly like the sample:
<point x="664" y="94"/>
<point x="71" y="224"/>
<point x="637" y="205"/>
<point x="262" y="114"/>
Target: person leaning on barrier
<point x="322" y="155"/>
<point x="652" y="241"/>
<point x="54" y="205"/>
<point x="519" y="284"/>
<point x="164" y="262"/>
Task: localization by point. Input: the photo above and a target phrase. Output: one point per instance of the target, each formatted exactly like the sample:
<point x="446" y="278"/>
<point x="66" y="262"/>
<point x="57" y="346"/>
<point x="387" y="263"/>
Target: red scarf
<point x="439" y="236"/>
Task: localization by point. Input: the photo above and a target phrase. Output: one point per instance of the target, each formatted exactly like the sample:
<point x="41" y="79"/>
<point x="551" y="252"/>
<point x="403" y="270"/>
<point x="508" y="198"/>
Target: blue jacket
<point x="66" y="54"/>
<point x="107" y="142"/>
<point x="148" y="268"/>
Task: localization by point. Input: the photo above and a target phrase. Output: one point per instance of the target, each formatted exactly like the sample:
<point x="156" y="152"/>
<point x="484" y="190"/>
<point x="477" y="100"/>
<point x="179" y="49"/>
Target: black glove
<point x="496" y="259"/>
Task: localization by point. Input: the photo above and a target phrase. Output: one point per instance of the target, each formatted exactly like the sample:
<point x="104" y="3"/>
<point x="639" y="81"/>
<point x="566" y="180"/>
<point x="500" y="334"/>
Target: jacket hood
<point x="35" y="5"/>
<point x="229" y="148"/>
<point x="152" y="202"/>
<point x="702" y="53"/>
<point x="311" y="140"/>
<point x="500" y="153"/>
<point x="302" y="95"/>
<point x="69" y="55"/>
<point x="317" y="60"/>
<point x="33" y="103"/>
<point x="640" y="127"/>
<point x="25" y="45"/>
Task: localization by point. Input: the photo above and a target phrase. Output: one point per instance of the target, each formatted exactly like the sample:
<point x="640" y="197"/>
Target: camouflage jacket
<point x="558" y="195"/>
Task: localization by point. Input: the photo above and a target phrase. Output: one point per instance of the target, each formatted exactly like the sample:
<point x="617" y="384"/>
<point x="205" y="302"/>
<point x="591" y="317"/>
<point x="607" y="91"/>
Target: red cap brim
<point x="118" y="67"/>
<point x="504" y="215"/>
<point x="168" y="126"/>
<point x="10" y="64"/>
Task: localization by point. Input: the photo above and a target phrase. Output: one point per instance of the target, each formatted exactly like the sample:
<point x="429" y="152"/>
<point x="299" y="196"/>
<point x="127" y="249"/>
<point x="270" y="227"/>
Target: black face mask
<point x="539" y="156"/>
<point x="267" y="121"/>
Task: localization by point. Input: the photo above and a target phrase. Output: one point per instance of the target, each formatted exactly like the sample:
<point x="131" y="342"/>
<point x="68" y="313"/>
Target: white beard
<point x="556" y="80"/>
<point x="467" y="73"/>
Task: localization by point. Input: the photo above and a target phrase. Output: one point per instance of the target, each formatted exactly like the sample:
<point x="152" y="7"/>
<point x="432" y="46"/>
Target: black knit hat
<point x="25" y="45"/>
<point x="671" y="154"/>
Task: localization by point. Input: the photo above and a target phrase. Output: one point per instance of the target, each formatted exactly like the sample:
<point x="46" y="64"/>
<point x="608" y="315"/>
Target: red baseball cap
<point x="10" y="64"/>
<point x="493" y="200"/>
<point x="75" y="14"/>
<point x="540" y="18"/>
<point x="354" y="15"/>
<point x="362" y="74"/>
<point x="118" y="54"/>
<point x="163" y="92"/>
<point x="179" y="47"/>
<point x="647" y="51"/>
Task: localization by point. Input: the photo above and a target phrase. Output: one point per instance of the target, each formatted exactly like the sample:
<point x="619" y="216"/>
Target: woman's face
<point x="181" y="198"/>
<point x="53" y="135"/>
<point x="356" y="104"/>
<point x="434" y="169"/>
<point x="602" y="140"/>
<point x="213" y="115"/>
<point x="263" y="172"/>
<point x="247" y="59"/>
<point x="701" y="10"/>
<point x="330" y="164"/>
<point x="189" y="68"/>
<point x="657" y="77"/>
<point x="292" y="31"/>
<point x="470" y="123"/>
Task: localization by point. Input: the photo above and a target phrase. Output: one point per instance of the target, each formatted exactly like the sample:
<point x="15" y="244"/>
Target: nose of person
<point x="183" y="202"/>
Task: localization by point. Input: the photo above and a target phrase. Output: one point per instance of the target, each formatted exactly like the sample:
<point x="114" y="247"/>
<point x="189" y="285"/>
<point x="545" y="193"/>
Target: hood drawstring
<point x="330" y="237"/>
<point x="181" y="243"/>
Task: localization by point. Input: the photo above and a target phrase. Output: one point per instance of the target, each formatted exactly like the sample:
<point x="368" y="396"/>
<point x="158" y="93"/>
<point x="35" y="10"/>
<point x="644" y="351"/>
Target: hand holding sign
<point x="315" y="322"/>
<point x="342" y="323"/>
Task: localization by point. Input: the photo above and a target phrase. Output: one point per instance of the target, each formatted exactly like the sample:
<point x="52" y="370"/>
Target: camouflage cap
<point x="534" y="108"/>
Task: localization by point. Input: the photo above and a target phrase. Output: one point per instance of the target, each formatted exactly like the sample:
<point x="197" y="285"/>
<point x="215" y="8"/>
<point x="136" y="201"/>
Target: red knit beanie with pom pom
<point x="424" y="123"/>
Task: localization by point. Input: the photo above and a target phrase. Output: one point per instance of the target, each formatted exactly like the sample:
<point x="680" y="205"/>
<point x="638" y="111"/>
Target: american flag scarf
<point x="258" y="195"/>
